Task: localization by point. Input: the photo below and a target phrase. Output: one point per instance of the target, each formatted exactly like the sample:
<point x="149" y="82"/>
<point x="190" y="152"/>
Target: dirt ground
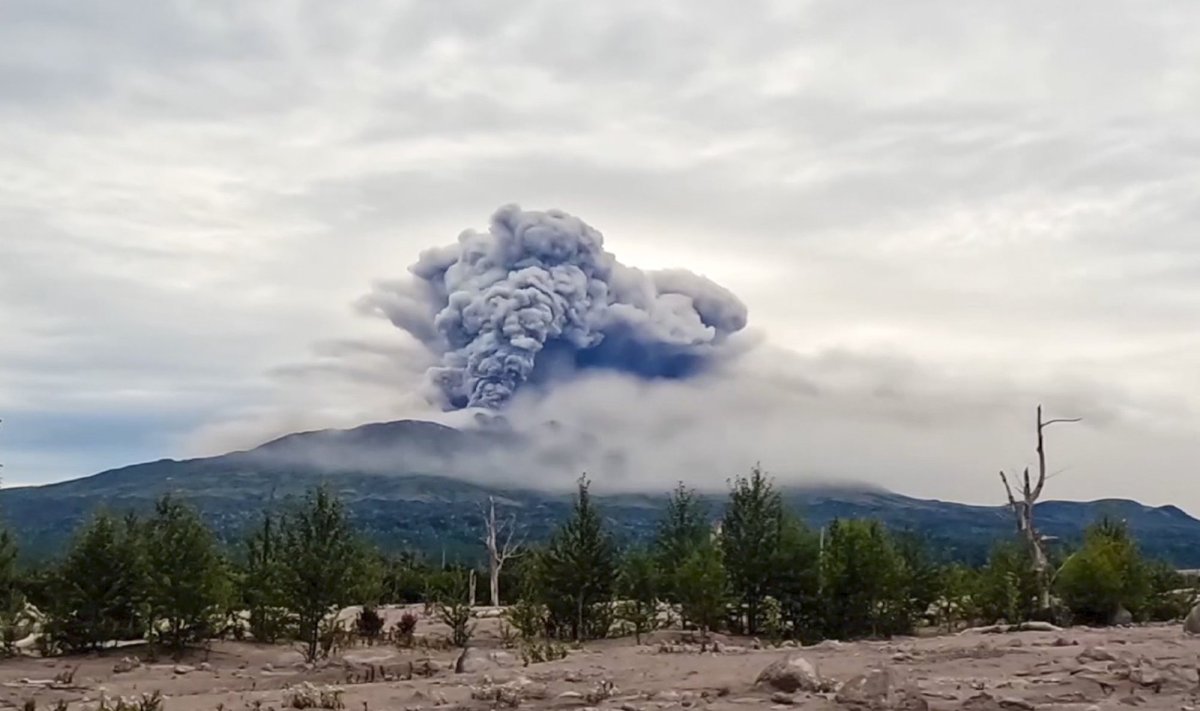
<point x="1153" y="667"/>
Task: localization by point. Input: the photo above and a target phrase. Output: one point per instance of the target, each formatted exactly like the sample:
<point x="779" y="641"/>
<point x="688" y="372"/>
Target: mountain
<point x="416" y="485"/>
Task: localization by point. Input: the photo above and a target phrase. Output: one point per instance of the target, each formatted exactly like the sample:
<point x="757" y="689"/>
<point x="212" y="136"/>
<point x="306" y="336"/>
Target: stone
<point x="783" y="699"/>
<point x="1191" y="624"/>
<point x="473" y="661"/>
<point x="184" y="669"/>
<point x="986" y="702"/>
<point x="126" y="665"/>
<point x="881" y="689"/>
<point x="1122" y="617"/>
<point x="1096" y="654"/>
<point x="791" y="674"/>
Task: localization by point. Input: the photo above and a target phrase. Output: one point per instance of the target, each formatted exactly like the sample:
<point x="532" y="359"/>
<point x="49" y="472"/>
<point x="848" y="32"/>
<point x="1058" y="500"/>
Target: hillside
<point x="422" y="505"/>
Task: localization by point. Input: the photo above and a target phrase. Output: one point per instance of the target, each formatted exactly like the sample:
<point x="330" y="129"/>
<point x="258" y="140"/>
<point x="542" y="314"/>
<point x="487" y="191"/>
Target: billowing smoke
<point x="537" y="297"/>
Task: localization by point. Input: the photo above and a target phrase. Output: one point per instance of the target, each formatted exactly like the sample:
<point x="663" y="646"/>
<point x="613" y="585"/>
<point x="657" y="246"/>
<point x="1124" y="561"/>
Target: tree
<point x="454" y="610"/>
<point x="683" y="529"/>
<point x="1106" y="574"/>
<point x="578" y="569"/>
<point x="321" y="564"/>
<point x="1007" y="587"/>
<point x="260" y="578"/>
<point x="1023" y="509"/>
<point x="638" y="587"/>
<point x="861" y="581"/>
<point x="12" y="600"/>
<point x="498" y="537"/>
<point x="101" y="587"/>
<point x="703" y="589"/>
<point x="795" y="578"/>
<point x="750" y="531"/>
<point x="955" y="603"/>
<point x="188" y="581"/>
<point x="918" y="580"/>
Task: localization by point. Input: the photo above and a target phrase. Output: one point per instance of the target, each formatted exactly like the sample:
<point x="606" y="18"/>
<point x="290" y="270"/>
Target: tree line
<point x="759" y="571"/>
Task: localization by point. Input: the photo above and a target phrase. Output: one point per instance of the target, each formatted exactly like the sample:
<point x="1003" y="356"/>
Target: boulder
<point x="1191" y="625"/>
<point x="881" y="689"/>
<point x="473" y="661"/>
<point x="791" y="674"/>
<point x="1122" y="616"/>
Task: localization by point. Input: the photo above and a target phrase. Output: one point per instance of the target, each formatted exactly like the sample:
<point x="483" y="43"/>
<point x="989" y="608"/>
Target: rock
<point x="791" y="674"/>
<point x="881" y="689"/>
<point x="126" y="665"/>
<point x="986" y="702"/>
<point x="473" y="661"/>
<point x="1191" y="624"/>
<point x="205" y="667"/>
<point x="784" y="699"/>
<point x="1122" y="617"/>
<point x="268" y="667"/>
<point x="1096" y="654"/>
<point x="184" y="669"/>
<point x="1064" y="642"/>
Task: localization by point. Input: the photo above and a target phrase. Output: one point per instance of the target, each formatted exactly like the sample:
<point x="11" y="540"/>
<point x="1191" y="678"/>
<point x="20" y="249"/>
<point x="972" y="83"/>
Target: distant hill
<point x="421" y="503"/>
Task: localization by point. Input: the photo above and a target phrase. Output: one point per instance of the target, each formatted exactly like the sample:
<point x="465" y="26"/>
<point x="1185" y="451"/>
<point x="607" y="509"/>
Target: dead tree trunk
<point x="1022" y="509"/>
<point x="498" y="537"/>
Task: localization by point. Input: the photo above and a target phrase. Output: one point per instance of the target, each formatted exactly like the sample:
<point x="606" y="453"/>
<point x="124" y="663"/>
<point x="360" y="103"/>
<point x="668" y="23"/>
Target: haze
<point x="938" y="215"/>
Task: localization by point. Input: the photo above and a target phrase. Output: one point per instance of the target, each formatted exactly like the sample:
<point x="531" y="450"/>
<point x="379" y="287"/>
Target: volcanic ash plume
<point x="537" y="297"/>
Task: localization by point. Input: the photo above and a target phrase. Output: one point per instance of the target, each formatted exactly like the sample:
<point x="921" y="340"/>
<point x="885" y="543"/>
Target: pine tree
<point x="750" y="532"/>
<point x="860" y="576"/>
<point x="578" y="569"/>
<point x="320" y="565"/>
<point x="260" y="577"/>
<point x="101" y="587"/>
<point x="188" y="581"/>
<point x="703" y="589"/>
<point x="1106" y="574"/>
<point x="795" y="578"/>
<point x="639" y="589"/>
<point x="683" y="529"/>
<point x="12" y="601"/>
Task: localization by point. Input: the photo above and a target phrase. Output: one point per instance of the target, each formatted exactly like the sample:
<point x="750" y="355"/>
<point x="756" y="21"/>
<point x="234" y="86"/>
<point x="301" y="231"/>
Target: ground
<point x="1153" y="667"/>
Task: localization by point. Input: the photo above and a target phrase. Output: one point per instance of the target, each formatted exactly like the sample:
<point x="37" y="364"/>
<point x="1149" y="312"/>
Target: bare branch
<point x="1008" y="489"/>
<point x="1047" y="423"/>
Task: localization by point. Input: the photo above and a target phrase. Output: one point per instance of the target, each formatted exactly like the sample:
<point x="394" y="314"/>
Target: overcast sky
<point x="938" y="214"/>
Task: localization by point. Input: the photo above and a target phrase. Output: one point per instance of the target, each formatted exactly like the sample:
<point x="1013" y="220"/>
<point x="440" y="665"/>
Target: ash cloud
<point x="536" y="298"/>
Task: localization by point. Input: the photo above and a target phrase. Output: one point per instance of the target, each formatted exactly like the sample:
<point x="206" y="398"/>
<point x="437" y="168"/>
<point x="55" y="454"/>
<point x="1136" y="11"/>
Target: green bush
<point x="1106" y="574"/>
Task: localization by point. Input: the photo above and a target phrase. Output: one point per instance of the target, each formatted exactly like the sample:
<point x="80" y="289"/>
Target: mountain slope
<point x="409" y="485"/>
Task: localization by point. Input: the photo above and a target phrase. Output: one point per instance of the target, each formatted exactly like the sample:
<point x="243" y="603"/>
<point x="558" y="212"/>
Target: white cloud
<point x="994" y="201"/>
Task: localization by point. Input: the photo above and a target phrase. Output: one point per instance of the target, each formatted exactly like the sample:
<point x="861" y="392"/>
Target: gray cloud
<point x="937" y="214"/>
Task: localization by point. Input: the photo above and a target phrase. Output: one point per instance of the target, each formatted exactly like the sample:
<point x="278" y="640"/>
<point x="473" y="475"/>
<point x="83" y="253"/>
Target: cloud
<point x="967" y="205"/>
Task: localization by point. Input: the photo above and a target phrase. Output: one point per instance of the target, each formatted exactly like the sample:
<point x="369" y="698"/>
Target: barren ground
<point x="1152" y="667"/>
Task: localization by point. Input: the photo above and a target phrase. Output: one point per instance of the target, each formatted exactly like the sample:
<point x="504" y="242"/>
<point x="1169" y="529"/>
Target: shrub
<point x="456" y="615"/>
<point x="404" y="630"/>
<point x="369" y="624"/>
<point x="1107" y="573"/>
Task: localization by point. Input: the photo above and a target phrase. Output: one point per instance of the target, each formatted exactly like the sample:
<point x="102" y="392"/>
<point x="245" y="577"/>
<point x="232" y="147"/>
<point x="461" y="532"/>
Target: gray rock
<point x="881" y="689"/>
<point x="1191" y="625"/>
<point x="473" y="661"/>
<point x="791" y="674"/>
<point x="1122" y="617"/>
<point x="1096" y="654"/>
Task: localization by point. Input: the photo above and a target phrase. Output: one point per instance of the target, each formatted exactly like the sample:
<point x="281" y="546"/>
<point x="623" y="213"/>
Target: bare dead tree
<point x="1022" y="508"/>
<point x="498" y="537"/>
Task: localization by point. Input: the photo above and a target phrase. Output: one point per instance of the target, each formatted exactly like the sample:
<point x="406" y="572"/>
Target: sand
<point x="1152" y="667"/>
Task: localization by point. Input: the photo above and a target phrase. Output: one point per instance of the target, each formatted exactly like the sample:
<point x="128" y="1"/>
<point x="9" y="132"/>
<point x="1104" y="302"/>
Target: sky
<point x="938" y="214"/>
